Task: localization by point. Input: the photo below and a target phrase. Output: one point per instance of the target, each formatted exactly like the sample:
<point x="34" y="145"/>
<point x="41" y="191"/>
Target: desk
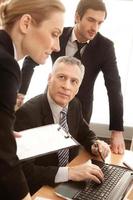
<point x="48" y="192"/>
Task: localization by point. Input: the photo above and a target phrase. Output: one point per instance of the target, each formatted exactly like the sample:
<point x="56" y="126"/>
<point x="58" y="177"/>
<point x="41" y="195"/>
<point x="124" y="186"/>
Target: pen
<point x="100" y="154"/>
<point x="95" y="144"/>
<point x="127" y="164"/>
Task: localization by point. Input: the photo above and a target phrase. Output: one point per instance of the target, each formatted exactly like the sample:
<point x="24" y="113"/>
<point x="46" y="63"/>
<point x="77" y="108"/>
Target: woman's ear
<point x="25" y="23"/>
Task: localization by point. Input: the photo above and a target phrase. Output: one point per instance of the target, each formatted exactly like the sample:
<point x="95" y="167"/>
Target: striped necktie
<point x="63" y="155"/>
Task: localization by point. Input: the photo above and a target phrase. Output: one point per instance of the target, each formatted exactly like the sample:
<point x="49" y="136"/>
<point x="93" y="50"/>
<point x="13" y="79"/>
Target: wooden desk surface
<point x="48" y="192"/>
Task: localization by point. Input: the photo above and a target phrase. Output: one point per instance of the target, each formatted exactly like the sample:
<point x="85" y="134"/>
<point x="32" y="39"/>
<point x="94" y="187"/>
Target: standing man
<point x="97" y="55"/>
<point x="47" y="108"/>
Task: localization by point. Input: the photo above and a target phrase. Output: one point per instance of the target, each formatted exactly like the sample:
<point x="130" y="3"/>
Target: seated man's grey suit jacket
<point x="36" y="112"/>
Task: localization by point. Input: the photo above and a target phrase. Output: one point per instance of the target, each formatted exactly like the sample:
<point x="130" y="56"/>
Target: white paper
<point x="128" y="160"/>
<point x="42" y="140"/>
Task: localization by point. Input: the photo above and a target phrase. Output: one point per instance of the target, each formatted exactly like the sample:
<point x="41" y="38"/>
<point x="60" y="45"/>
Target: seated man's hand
<point x="102" y="147"/>
<point x="86" y="171"/>
<point x="117" y="142"/>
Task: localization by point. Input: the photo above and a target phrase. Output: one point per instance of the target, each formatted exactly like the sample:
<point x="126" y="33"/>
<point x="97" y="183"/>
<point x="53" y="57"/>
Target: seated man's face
<point x="64" y="83"/>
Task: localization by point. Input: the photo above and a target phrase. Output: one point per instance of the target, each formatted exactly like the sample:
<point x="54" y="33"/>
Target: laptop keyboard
<point x="101" y="191"/>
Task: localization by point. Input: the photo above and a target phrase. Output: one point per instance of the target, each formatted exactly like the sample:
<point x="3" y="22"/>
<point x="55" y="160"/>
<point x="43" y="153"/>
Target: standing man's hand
<point x="117" y="142"/>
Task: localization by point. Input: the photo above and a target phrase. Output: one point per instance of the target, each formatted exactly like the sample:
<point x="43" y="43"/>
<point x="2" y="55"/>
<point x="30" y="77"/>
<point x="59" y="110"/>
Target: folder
<point x="43" y="140"/>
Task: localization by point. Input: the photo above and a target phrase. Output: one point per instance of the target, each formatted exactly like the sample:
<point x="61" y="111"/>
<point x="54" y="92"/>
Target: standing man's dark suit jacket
<point x="12" y="181"/>
<point x="27" y="72"/>
<point x="36" y="112"/>
<point x="98" y="56"/>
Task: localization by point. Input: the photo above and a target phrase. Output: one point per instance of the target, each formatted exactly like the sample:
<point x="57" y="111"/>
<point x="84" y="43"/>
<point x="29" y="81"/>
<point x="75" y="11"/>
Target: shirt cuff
<point x="62" y="175"/>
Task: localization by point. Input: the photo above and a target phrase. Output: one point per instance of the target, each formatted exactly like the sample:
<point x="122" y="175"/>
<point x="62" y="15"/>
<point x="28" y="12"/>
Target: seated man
<point x="44" y="109"/>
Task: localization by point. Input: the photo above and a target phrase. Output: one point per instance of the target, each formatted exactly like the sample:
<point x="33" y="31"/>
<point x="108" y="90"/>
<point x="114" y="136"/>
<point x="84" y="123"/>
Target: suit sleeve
<point x="12" y="180"/>
<point x="27" y="72"/>
<point x="113" y="85"/>
<point x="85" y="136"/>
<point x="39" y="175"/>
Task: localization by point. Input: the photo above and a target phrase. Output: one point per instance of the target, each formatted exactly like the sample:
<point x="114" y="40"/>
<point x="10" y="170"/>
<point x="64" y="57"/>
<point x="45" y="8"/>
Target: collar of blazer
<point x="65" y="37"/>
<point x="6" y="42"/>
<point x="67" y="34"/>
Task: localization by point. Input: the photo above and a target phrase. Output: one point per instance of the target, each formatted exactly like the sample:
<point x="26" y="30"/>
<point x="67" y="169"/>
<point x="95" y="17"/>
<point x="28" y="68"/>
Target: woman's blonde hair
<point x="12" y="10"/>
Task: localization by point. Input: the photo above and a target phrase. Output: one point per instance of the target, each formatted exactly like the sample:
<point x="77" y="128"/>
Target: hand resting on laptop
<point x="89" y="171"/>
<point x="86" y="171"/>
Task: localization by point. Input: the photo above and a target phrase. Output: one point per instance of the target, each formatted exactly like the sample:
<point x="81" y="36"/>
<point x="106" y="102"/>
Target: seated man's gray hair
<point x="71" y="61"/>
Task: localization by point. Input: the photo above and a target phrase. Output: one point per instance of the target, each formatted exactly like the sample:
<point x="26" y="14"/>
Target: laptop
<point x="117" y="180"/>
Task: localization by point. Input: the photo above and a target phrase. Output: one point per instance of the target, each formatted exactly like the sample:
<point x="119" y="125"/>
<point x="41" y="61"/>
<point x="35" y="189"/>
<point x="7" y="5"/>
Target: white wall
<point x="119" y="28"/>
<point x="101" y="130"/>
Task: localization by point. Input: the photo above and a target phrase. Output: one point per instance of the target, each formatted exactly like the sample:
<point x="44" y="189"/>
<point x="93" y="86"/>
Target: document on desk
<point x="128" y="160"/>
<point x="43" y="140"/>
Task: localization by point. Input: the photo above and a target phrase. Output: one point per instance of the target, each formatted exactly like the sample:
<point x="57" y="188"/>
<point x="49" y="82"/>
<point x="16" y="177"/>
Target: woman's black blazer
<point x="12" y="180"/>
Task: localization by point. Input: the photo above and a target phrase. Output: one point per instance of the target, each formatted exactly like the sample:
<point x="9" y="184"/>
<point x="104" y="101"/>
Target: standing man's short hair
<point x="84" y="5"/>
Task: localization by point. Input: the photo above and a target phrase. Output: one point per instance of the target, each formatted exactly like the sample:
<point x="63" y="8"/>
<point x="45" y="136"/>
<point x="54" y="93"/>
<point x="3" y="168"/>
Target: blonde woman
<point x="30" y="28"/>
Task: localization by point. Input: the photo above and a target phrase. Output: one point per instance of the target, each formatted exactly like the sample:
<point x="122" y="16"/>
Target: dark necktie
<point x="80" y="46"/>
<point x="63" y="155"/>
